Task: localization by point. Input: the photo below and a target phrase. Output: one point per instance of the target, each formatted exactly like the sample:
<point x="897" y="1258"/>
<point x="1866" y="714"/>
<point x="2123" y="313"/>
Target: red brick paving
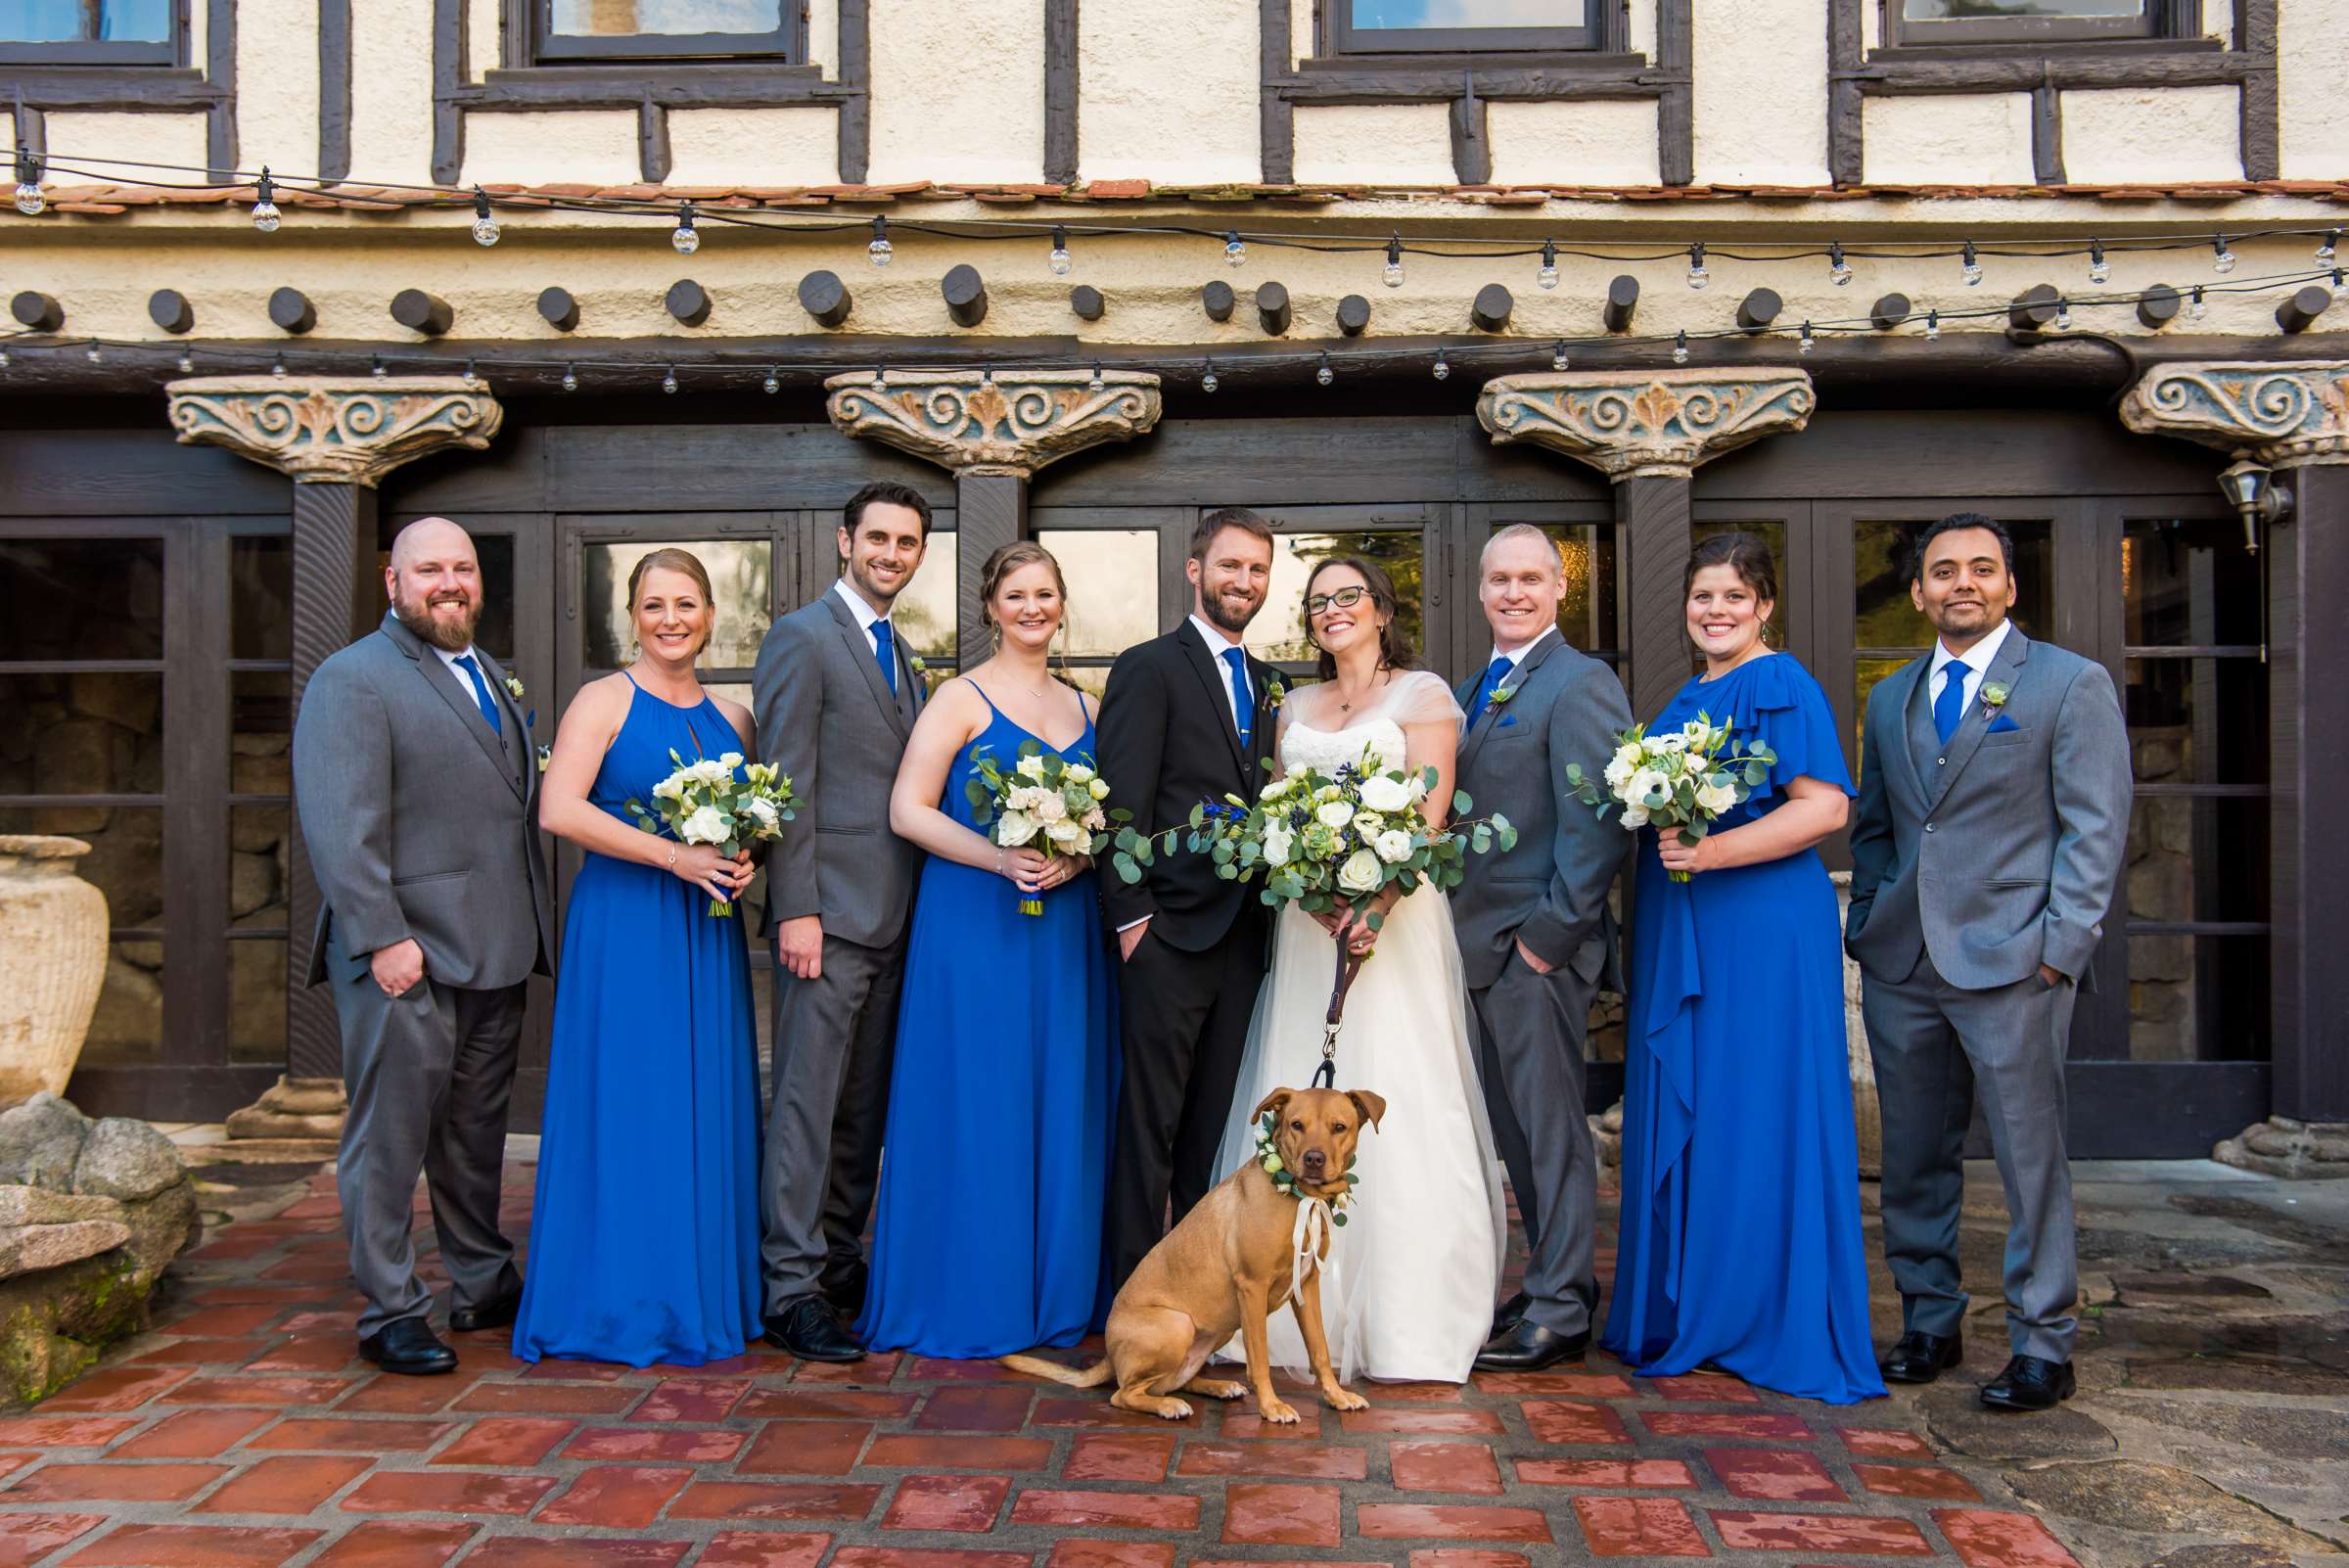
<point x="244" y="1433"/>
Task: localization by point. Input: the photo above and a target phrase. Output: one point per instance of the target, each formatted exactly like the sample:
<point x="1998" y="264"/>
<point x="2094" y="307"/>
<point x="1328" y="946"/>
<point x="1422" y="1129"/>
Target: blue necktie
<point x="1950" y="706"/>
<point x="884" y="649"/>
<point x="1243" y="702"/>
<point x="480" y="695"/>
<point x="1495" y="674"/>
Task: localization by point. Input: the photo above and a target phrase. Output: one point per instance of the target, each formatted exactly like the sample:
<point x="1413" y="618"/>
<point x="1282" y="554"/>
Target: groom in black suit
<point x="1186" y="718"/>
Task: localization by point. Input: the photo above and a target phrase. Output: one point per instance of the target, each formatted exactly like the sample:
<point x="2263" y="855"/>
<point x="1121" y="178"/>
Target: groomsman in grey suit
<point x="836" y="695"/>
<point x="417" y="784"/>
<point x="1536" y="935"/>
<point x="1994" y="805"/>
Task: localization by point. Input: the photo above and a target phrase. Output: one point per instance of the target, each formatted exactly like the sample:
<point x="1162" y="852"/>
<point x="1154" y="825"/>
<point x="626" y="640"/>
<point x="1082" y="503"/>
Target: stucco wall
<point x="1603" y="142"/>
<point x="1754" y="126"/>
<point x="2178" y="133"/>
<point x="754" y="146"/>
<point x="958" y="92"/>
<point x="277" y="82"/>
<point x="1374" y="144"/>
<point x="2312" y="64"/>
<point x="591" y="145"/>
<point x="391" y="90"/>
<point x="1957" y="139"/>
<point x="86" y="138"/>
<point x="1167" y="97"/>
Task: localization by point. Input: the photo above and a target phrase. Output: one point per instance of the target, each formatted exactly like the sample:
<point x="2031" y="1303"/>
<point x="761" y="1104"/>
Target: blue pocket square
<point x="2002" y="724"/>
<point x="1506" y="719"/>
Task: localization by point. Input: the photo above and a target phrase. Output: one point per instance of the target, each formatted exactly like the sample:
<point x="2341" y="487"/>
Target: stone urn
<point x="53" y="929"/>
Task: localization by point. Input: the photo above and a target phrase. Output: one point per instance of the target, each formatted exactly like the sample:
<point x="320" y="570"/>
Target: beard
<point x="1226" y="612"/>
<point x="875" y="594"/>
<point x="451" y="636"/>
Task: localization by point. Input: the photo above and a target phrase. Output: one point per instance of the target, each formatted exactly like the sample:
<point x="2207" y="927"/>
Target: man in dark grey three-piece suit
<point x="836" y="693"/>
<point x="1537" y="939"/>
<point x="416" y="784"/>
<point x="1994" y="807"/>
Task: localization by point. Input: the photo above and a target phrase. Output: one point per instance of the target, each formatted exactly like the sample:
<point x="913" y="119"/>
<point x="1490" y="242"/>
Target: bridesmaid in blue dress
<point x="644" y="1233"/>
<point x="1740" y="1245"/>
<point x="986" y="1233"/>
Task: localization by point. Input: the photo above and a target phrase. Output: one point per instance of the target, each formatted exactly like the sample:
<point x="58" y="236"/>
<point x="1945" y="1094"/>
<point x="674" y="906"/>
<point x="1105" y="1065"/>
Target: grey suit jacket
<point x="1999" y="852"/>
<point x="827" y="720"/>
<point x="1549" y="891"/>
<point x="419" y="821"/>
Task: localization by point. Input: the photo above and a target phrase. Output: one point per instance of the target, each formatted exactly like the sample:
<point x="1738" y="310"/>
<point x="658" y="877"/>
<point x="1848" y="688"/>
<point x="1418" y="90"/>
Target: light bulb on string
<point x="265" y="216"/>
<point x="2063" y="315"/>
<point x="1061" y="262"/>
<point x="1206" y="379"/>
<point x="571" y="377"/>
<point x="95" y="357"/>
<point x="187" y="364"/>
<point x="277" y="365"/>
<point x="1441" y="370"/>
<point x="880" y="377"/>
<point x="1805" y="345"/>
<point x="485" y="227"/>
<point x="880" y="249"/>
<point x="1557" y="356"/>
<point x="2195" y="305"/>
<point x="1680" y="347"/>
<point x="2334" y="285"/>
<point x="1392" y="273"/>
<point x="1699" y="277"/>
<point x="2099" y="270"/>
<point x="1235" y="253"/>
<point x="2328" y="246"/>
<point x="1548" y="274"/>
<point x="1096" y="384"/>
<point x="1932" y="326"/>
<point x="1969" y="265"/>
<point x="685" y="237"/>
<point x="668" y="381"/>
<point x="2221" y="260"/>
<point x="1324" y="375"/>
<point x="473" y="382"/>
<point x="773" y="383"/>
<point x="3" y="359"/>
<point x="29" y="200"/>
<point x="375" y="366"/>
<point x="1839" y="272"/>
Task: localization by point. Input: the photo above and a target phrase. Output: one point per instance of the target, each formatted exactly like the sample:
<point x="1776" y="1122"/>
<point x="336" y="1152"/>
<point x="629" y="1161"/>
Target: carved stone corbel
<point x="976" y="423"/>
<point x="2280" y="412"/>
<point x="1651" y="423"/>
<point x="335" y="430"/>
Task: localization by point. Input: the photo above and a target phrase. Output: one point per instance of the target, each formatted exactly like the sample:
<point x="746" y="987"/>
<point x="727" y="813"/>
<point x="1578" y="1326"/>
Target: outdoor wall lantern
<point x="2256" y="498"/>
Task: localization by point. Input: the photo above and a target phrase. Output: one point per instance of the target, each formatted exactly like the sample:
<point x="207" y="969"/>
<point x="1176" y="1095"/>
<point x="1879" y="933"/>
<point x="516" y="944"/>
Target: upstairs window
<point x="2033" y="22"/>
<point x="89" y="32"/>
<point x="1461" y="27"/>
<point x="571" y="30"/>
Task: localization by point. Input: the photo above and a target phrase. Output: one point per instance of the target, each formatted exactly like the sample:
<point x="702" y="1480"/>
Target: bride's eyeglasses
<point x="1343" y="599"/>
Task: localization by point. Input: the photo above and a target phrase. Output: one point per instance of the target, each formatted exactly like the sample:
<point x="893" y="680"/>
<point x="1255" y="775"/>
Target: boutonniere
<point x="1994" y="694"/>
<point x="514" y="687"/>
<point x="546" y="755"/>
<point x="1276" y="692"/>
<point x="921" y="666"/>
<point x="1500" y="696"/>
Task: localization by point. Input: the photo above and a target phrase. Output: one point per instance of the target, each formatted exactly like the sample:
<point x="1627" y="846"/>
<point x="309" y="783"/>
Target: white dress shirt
<point x="865" y="612"/>
<point x="1517" y="660"/>
<point x="1217" y="644"/>
<point x="1972" y="665"/>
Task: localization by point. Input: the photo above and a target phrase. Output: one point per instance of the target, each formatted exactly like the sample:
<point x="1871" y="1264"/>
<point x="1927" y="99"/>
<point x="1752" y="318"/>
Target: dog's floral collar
<point x="1284" y="1180"/>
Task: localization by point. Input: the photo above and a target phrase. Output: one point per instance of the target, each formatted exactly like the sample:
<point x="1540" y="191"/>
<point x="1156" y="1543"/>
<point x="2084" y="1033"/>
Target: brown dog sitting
<point x="1227" y="1267"/>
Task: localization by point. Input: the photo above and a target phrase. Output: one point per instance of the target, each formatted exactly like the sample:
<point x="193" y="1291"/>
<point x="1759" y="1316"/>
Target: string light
<point x="1932" y="326"/>
<point x="1969" y="265"/>
<point x="880" y="249"/>
<point x="277" y="366"/>
<point x="668" y="380"/>
<point x="265" y="216"/>
<point x="95" y="357"/>
<point x="2063" y="315"/>
<point x="2334" y="285"/>
<point x="485" y="227"/>
<point x="1803" y="345"/>
<point x="2099" y="270"/>
<point x="2327" y="250"/>
<point x="1557" y="356"/>
<point x="571" y="379"/>
<point x="187" y="364"/>
<point x="685" y="237"/>
<point x="3" y="359"/>
<point x="1839" y="272"/>
<point x="1324" y="374"/>
<point x="375" y="365"/>
<point x="1207" y="379"/>
<point x="1235" y="253"/>
<point x="773" y="383"/>
<point x="1699" y="277"/>
<point x="1096" y="384"/>
<point x="2195" y="307"/>
<point x="1442" y="371"/>
<point x="1392" y="273"/>
<point x="880" y="377"/>
<point x="1546" y="276"/>
<point x="29" y="200"/>
<point x="1061" y="262"/>
<point x="1680" y="347"/>
<point x="2221" y="260"/>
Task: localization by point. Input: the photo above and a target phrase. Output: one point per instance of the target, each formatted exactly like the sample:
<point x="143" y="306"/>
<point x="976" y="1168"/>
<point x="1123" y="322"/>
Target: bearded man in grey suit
<point x="1537" y="939"/>
<point x="416" y="783"/>
<point x="835" y="695"/>
<point x="1993" y="805"/>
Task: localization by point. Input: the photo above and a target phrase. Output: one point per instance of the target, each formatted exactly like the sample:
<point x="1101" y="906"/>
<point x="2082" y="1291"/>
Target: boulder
<point x="126" y="1158"/>
<point x="24" y="1249"/>
<point x="2279" y="1146"/>
<point x="38" y="1206"/>
<point x="40" y="1142"/>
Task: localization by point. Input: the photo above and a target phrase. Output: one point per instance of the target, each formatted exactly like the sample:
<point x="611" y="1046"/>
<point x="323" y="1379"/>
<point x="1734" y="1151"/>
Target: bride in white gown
<point x="1407" y="1293"/>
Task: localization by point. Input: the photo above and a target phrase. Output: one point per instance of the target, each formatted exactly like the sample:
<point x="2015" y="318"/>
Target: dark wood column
<point x="1652" y="531"/>
<point x="991" y="511"/>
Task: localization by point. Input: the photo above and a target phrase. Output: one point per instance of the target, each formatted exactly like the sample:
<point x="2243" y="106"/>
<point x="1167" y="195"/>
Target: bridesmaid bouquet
<point x="1045" y="803"/>
<point x="704" y="803"/>
<point x="1681" y="779"/>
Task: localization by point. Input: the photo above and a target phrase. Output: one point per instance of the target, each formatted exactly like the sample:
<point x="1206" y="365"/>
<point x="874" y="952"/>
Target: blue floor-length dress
<point x="987" y="1231"/>
<point x="1740" y="1241"/>
<point x="644" y="1232"/>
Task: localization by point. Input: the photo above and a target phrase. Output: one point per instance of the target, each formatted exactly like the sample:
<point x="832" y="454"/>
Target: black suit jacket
<point x="1167" y="742"/>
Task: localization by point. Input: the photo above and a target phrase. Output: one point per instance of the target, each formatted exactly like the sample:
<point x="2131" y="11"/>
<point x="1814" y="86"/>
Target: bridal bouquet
<point x="704" y="803"/>
<point x="1681" y="779"/>
<point x="1045" y="803"/>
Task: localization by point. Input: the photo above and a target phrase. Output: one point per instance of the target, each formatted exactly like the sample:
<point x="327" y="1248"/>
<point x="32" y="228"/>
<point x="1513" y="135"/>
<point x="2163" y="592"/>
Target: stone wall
<point x="2161" y="887"/>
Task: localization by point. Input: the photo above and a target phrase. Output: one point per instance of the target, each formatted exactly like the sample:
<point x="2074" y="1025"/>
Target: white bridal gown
<point x="1410" y="1288"/>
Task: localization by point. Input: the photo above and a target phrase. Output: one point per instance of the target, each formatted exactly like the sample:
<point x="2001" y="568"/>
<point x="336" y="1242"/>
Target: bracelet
<point x="672" y="858"/>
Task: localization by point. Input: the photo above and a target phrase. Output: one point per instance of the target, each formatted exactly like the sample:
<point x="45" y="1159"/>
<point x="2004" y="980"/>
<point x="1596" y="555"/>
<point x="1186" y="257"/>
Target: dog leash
<point x="1349" y="965"/>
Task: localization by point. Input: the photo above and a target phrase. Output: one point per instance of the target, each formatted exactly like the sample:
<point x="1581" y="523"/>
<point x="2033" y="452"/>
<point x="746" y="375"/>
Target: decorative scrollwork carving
<point x="335" y="430"/>
<point x="1645" y="422"/>
<point x="2278" y="411"/>
<point x="974" y="423"/>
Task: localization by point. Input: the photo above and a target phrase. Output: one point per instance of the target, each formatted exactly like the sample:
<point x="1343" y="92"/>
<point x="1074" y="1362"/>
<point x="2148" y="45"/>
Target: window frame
<point x="1342" y="39"/>
<point x="784" y="44"/>
<point x="2156" y="22"/>
<point x="130" y="53"/>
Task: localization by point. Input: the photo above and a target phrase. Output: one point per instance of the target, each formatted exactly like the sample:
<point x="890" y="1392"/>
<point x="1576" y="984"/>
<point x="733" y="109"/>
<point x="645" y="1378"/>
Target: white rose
<point x="1014" y="828"/>
<point x="1065" y="834"/>
<point x="1095" y="820"/>
<point x="1383" y="794"/>
<point x="1628" y="753"/>
<point x="1079" y="773"/>
<point x="1619" y="773"/>
<point x="672" y="788"/>
<point x="1032" y="767"/>
<point x="704" y="826"/>
<point x="1096" y="788"/>
<point x="1697" y="734"/>
<point x="1715" y="798"/>
<point x="1393" y="845"/>
<point x="1418" y="790"/>
<point x="1275" y="790"/>
<point x="1327" y="792"/>
<point x="1634" y="817"/>
<point x="1334" y="813"/>
<point x="1362" y="872"/>
<point x="1050" y="807"/>
<point x="730" y="761"/>
<point x="1280" y="844"/>
<point x="762" y="811"/>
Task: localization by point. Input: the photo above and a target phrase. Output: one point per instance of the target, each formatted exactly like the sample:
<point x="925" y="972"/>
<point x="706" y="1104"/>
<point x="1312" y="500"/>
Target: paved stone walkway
<point x="242" y="1434"/>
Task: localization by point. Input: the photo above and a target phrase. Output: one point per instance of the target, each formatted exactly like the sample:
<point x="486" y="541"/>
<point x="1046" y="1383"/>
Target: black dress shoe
<point x="1920" y="1357"/>
<point x="409" y="1347"/>
<point x="1527" y="1347"/>
<point x="497" y="1312"/>
<point x="807" y="1328"/>
<point x="2030" y="1383"/>
<point x="1510" y="1314"/>
<point x="845" y="1292"/>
